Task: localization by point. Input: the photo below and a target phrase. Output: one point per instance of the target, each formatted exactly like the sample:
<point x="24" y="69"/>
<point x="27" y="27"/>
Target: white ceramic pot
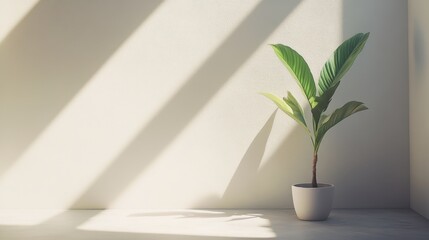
<point x="312" y="204"/>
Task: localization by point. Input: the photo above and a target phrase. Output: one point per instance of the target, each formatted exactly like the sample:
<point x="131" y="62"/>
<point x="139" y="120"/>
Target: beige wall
<point x="141" y="104"/>
<point x="419" y="112"/>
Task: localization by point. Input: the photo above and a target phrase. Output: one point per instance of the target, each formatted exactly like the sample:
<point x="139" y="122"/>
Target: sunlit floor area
<point x="209" y="225"/>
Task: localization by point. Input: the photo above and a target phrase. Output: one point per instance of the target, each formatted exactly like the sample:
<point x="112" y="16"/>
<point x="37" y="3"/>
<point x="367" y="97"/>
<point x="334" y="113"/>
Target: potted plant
<point x="313" y="201"/>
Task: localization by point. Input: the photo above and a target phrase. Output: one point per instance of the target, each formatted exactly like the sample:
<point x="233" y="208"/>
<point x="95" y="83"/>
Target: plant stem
<point x="314" y="181"/>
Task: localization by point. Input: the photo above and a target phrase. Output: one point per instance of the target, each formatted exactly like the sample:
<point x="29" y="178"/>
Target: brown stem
<point x="314" y="181"/>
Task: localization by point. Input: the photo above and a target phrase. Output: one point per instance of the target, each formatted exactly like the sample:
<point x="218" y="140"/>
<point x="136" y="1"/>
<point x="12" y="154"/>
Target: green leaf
<point x="298" y="68"/>
<point x="341" y="61"/>
<point x="322" y="103"/>
<point x="296" y="108"/>
<point x="323" y="119"/>
<point x="337" y="116"/>
<point x="290" y="106"/>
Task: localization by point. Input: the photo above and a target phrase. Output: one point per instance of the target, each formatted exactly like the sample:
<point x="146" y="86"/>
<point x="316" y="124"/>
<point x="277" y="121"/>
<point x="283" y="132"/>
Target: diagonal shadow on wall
<point x="184" y="105"/>
<point x="50" y="55"/>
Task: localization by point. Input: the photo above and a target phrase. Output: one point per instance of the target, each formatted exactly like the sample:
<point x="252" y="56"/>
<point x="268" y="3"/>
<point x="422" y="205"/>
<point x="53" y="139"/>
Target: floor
<point x="209" y="225"/>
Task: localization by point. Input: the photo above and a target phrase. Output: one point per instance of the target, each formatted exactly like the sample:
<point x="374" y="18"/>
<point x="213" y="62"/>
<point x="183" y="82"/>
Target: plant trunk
<point x="314" y="181"/>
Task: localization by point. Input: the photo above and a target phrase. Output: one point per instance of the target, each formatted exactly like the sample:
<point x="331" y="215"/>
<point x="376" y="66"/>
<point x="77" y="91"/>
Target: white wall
<point x="419" y="112"/>
<point x="140" y="104"/>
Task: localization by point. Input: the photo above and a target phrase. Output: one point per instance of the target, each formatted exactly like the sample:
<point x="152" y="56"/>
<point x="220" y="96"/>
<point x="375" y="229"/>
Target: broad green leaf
<point x="296" y="108"/>
<point x="337" y="116"/>
<point x="341" y="61"/>
<point x="298" y="68"/>
<point x="290" y="106"/>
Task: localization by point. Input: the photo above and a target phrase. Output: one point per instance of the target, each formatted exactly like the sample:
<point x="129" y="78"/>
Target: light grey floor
<point x="209" y="225"/>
